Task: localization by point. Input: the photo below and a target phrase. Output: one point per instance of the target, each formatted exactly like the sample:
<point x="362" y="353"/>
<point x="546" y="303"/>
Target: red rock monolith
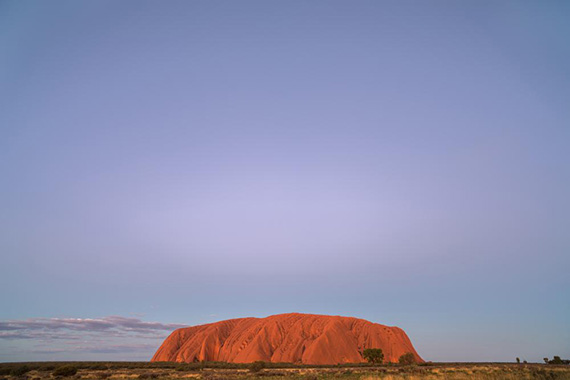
<point x="291" y="338"/>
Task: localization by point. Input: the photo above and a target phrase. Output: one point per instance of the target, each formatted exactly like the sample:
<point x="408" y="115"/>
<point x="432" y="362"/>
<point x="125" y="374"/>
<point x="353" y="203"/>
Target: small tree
<point x="407" y="359"/>
<point x="373" y="355"/>
<point x="518" y="361"/>
<point x="556" y="360"/>
<point x="545" y="360"/>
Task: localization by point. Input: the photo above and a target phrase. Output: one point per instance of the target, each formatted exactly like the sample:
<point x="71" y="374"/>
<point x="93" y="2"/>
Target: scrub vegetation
<point x="373" y="355"/>
<point x="280" y="371"/>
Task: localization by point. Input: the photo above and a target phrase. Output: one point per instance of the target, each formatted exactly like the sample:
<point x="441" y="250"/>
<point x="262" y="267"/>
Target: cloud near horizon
<point x="113" y="322"/>
<point x="111" y="337"/>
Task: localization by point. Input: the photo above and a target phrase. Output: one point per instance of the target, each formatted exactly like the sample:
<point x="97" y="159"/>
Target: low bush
<point x="20" y="370"/>
<point x="148" y="375"/>
<point x="97" y="366"/>
<point x="256" y="366"/>
<point x="65" y="371"/>
<point x="184" y="367"/>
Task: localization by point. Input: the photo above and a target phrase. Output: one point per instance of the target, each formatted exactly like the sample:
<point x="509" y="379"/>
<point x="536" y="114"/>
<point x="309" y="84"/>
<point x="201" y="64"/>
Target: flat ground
<point x="221" y="371"/>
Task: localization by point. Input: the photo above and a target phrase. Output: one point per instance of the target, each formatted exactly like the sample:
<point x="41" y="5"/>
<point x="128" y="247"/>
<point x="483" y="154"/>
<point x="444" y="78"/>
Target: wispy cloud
<point x="98" y="349"/>
<point x="47" y="338"/>
<point x="110" y="323"/>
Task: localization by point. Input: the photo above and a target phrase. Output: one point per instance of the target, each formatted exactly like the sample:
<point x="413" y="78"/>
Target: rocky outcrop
<point x="292" y="338"/>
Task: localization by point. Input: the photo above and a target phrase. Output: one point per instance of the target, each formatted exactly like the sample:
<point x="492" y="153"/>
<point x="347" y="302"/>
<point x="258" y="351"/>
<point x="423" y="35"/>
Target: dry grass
<point x="431" y="372"/>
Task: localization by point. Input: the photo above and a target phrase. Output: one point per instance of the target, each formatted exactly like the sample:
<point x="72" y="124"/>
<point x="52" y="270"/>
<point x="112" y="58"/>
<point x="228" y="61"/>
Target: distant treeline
<point x="556" y="360"/>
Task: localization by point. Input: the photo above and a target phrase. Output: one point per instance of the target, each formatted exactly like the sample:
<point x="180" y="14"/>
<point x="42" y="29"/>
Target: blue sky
<point x="183" y="162"/>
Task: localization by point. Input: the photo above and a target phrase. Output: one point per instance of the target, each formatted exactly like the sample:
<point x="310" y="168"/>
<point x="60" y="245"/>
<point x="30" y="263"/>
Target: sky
<point x="165" y="164"/>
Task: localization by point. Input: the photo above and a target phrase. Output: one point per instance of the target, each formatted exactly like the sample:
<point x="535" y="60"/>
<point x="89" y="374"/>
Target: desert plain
<point x="278" y="371"/>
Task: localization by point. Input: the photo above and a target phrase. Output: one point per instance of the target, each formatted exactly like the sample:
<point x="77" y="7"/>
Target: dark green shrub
<point x="188" y="366"/>
<point x="556" y="360"/>
<point x="5" y="371"/>
<point x="20" y="370"/>
<point x="407" y="359"/>
<point x="97" y="366"/>
<point x="256" y="366"/>
<point x="373" y="355"/>
<point x="65" y="371"/>
<point x="148" y="375"/>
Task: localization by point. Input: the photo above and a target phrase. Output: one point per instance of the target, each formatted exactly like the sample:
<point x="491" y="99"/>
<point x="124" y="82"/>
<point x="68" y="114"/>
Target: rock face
<point x="291" y="338"/>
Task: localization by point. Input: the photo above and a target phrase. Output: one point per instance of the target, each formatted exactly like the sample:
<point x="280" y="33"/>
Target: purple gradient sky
<point x="191" y="161"/>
